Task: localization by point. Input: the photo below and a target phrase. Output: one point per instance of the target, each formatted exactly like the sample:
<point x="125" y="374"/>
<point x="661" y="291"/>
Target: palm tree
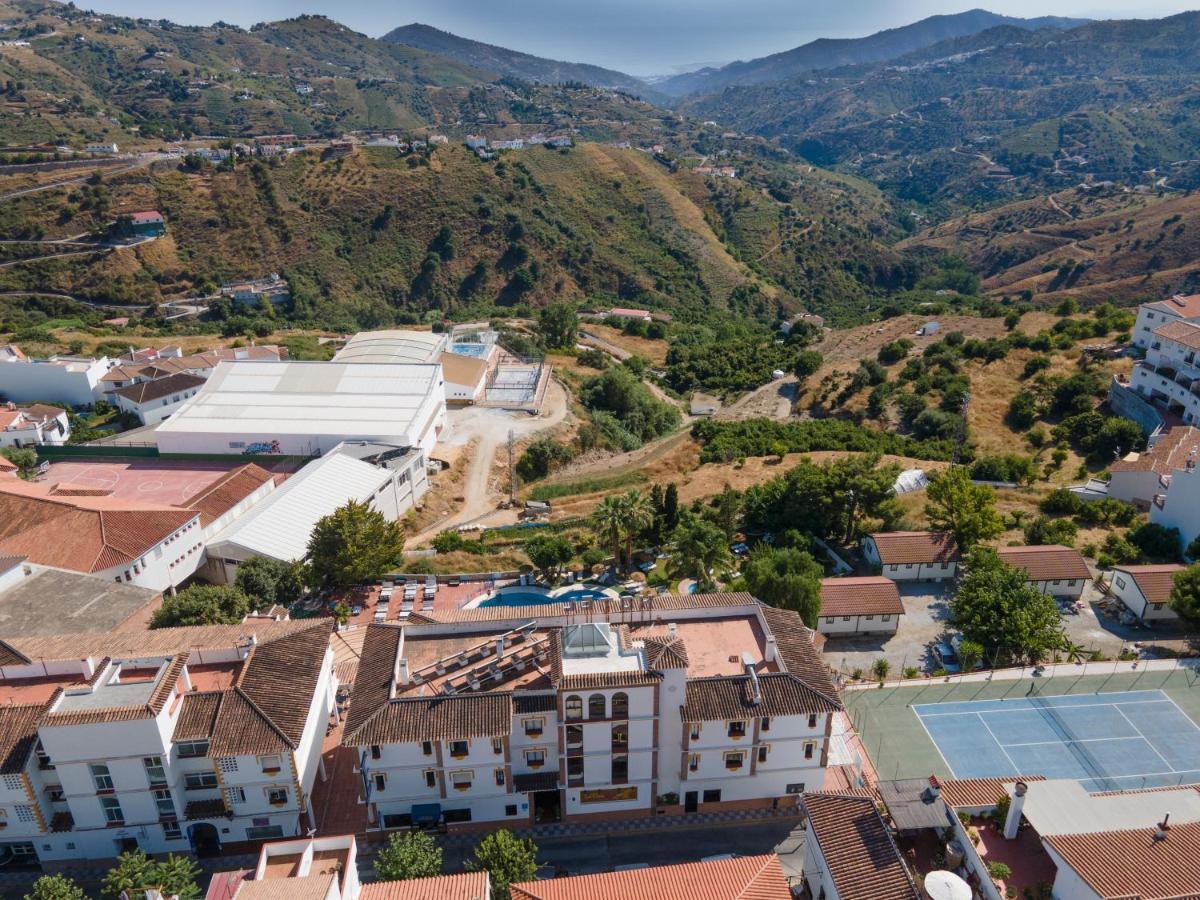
<point x="608" y="521"/>
<point x="701" y="552"/>
<point x="639" y="515"/>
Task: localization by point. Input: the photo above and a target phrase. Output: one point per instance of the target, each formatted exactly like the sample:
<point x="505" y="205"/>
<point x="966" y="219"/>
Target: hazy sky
<point x="643" y="37"/>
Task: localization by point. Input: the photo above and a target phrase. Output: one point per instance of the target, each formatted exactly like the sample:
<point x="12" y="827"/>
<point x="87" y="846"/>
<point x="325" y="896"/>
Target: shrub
<point x="1156" y="541"/>
<point x="1043" y="530"/>
<point x="894" y="351"/>
<point x="1061" y="502"/>
<point x="999" y="871"/>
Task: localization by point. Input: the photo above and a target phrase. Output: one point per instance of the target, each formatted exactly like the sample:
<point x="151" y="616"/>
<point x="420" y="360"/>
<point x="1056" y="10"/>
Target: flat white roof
<point x="392" y="346"/>
<point x="1063" y="806"/>
<point x="279" y="525"/>
<point x="289" y="397"/>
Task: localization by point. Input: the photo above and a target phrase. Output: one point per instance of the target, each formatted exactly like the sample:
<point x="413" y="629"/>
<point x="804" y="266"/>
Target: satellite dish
<point x="941" y="885"/>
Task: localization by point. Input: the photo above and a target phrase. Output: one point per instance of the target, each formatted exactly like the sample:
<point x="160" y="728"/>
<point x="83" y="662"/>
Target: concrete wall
<point x="842" y="625"/>
<point x="1125" y="401"/>
<point x="28" y="381"/>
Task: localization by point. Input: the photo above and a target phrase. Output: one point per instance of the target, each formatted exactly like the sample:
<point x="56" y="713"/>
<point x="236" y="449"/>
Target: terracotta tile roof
<point x="1051" y="562"/>
<point x="309" y="887"/>
<point x="18" y="735"/>
<point x="1155" y="582"/>
<point x="523" y="704"/>
<point x="84" y="534"/>
<point x="465" y="886"/>
<point x="664" y="652"/>
<point x="1132" y="865"/>
<point x="979" y="791"/>
<point x="280" y="677"/>
<point x="742" y="878"/>
<point x="149" y="391"/>
<point x="608" y="680"/>
<point x="241" y="728"/>
<point x="7" y="466"/>
<point x="1184" y="333"/>
<point x="1185" y="306"/>
<point x="871" y="596"/>
<point x="227" y="492"/>
<point x="1169" y="453"/>
<point x="164" y="688"/>
<point x="725" y="698"/>
<point x="197" y="716"/>
<point x="863" y="860"/>
<point x="908" y="547"/>
<point x="798" y="652"/>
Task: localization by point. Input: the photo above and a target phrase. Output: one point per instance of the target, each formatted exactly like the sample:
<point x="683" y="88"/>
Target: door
<point x="205" y="839"/>
<point x="690" y="801"/>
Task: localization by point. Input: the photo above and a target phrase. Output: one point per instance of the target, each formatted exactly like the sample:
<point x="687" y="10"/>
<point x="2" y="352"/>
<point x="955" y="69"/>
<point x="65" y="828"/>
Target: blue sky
<point x="643" y="37"/>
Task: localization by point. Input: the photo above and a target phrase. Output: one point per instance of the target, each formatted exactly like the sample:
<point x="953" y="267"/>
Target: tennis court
<point x="1109" y="742"/>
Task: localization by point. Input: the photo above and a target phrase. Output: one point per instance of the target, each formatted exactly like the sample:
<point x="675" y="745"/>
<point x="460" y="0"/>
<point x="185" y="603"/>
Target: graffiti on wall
<point x="262" y="448"/>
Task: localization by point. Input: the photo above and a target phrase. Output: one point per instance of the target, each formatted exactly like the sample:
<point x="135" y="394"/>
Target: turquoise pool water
<point x="536" y="596"/>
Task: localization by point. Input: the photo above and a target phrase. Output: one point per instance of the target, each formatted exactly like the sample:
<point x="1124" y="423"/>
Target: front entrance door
<point x="205" y="839"/>
<point x="547" y="807"/>
<point x="690" y="801"/>
<point x="126" y="845"/>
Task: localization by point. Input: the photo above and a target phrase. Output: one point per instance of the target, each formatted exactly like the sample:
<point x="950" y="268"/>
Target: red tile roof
<point x="863" y="860"/>
<point x="1184" y="333"/>
<point x="464" y="886"/>
<point x="871" y="596"/>
<point x="743" y="878"/>
<point x="907" y="547"/>
<point x="1132" y="865"/>
<point x="980" y="791"/>
<point x="1051" y="562"/>
<point x="148" y="215"/>
<point x="1169" y="453"/>
<point x="1155" y="582"/>
<point x="1186" y="306"/>
<point x="18" y="734"/>
<point x="227" y="492"/>
<point x="724" y="699"/>
<point x="81" y="533"/>
<point x="148" y="391"/>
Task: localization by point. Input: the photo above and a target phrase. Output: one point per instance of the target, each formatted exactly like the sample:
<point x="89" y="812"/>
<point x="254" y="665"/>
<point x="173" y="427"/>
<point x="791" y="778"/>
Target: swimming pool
<point x="534" y="596"/>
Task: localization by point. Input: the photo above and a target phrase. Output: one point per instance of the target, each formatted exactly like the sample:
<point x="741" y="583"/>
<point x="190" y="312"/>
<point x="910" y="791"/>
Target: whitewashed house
<point x="1052" y="568"/>
<point x="1146" y="590"/>
<point x="869" y="605"/>
<point x="912" y="555"/>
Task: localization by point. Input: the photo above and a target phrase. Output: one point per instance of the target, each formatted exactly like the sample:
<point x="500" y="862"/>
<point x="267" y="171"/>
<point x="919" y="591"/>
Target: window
<point x="809" y="747"/>
<point x="868" y="618"/>
<point x="1156" y="606"/>
<point x="430" y="778"/>
<point x="163" y="803"/>
<point x="228" y="764"/>
<point x="845" y="618"/>
<point x="620" y="736"/>
<point x="459" y="749"/>
<point x="620" y="705"/>
<point x="3" y="817"/>
<point x="235" y="796"/>
<point x="427" y="748"/>
<point x="886" y="617"/>
<point x="574" y="707"/>
<point x="200" y="781"/>
<point x="25" y="813"/>
<point x="535" y="759"/>
<point x="111" y="807"/>
<point x="456" y="815"/>
<point x="510" y="809"/>
<point x="277" y="796"/>
<point x="43" y="758"/>
<point x="693" y="762"/>
<point x="737" y="729"/>
<point x="380" y="779"/>
<point x="461" y="780"/>
<point x="575" y="770"/>
<point x="796" y="787"/>
<point x="497" y="745"/>
<point x="101" y="777"/>
<point x="270" y="764"/>
<point x="154" y="770"/>
<point x="264" y="832"/>
<point x="56" y="795"/>
<point x="375" y="751"/>
<point x="620" y="769"/>
<point x="735" y="760"/>
<point x="764" y="723"/>
<point x="499" y="773"/>
<point x="596" y="706"/>
<point x="534" y="727"/>
<point x="812" y="720"/>
<point x="695" y="731"/>
<point x="172" y="831"/>
<point x="829" y="620"/>
<point x="762" y="753"/>
<point x="192" y="749"/>
<point x="711" y="796"/>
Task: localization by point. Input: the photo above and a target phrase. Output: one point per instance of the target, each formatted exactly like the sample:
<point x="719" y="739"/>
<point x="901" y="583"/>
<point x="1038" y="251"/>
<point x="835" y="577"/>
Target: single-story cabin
<point x="912" y="555"/>
<point x="1146" y="590"/>
<point x="859" y="606"/>
<point x="1052" y="569"/>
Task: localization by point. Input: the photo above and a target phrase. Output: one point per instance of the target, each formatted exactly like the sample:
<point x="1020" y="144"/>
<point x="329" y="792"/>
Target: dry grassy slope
<point x="1133" y="245"/>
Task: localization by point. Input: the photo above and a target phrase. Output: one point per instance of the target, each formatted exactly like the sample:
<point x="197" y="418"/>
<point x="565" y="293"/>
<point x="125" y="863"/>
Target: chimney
<point x="673" y="629"/>
<point x="1013" y="823"/>
<point x="499" y="647"/>
<point x="755" y="687"/>
<point x="1162" y="829"/>
<point x="402" y="674"/>
<point x="772" y="649"/>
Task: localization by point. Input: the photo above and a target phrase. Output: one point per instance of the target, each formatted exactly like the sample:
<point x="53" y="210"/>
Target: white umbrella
<point x="941" y="885"/>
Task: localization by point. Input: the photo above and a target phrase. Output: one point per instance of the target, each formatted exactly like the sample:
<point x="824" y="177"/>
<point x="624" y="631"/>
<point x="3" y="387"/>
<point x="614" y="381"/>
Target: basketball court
<point x="167" y="483"/>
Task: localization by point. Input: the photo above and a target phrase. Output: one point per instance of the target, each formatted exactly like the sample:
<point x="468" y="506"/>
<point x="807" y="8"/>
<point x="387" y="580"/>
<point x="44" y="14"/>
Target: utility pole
<point x="512" y="467"/>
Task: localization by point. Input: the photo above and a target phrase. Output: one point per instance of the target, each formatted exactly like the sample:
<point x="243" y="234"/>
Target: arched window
<point x="574" y="707"/>
<point x="620" y="705"/>
<point x="596" y="706"/>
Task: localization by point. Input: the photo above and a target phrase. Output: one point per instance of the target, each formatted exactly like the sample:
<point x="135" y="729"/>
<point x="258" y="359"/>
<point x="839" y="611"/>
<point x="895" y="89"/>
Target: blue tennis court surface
<point x="1108" y="742"/>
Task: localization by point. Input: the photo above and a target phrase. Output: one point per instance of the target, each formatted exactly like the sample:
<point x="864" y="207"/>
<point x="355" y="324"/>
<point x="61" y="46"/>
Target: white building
<point x="465" y="366"/>
<point x="1052" y="568"/>
<point x="849" y="853"/>
<point x="536" y="713"/>
<point x="308" y="408"/>
<point x="1146" y="590"/>
<point x="1138" y="478"/>
<point x="171" y="740"/>
<point x="869" y="605"/>
<point x="1179" y="506"/>
<point x="912" y="555"/>
<point x="28" y="426"/>
<point x="155" y="401"/>
<point x="58" y="379"/>
<point x="1169" y="376"/>
<point x="280" y="525"/>
<point x="1150" y="316"/>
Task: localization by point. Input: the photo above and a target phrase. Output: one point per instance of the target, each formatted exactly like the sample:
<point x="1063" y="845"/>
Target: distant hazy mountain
<point x="503" y="61"/>
<point x="828" y="53"/>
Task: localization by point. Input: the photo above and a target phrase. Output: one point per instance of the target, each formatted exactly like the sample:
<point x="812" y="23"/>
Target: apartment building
<point x="172" y="740"/>
<point x="543" y="713"/>
<point x="73" y="380"/>
<point x="1152" y="316"/>
<point x="1169" y="377"/>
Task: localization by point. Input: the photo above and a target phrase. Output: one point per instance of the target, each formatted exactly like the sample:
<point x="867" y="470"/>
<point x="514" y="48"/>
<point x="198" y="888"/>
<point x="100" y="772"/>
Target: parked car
<point x="945" y="657"/>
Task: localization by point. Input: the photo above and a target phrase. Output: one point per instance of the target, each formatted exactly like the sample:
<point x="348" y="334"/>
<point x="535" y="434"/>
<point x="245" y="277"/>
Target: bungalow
<point x="142" y="224"/>
<point x="859" y="606"/>
<point x="912" y="555"/>
<point x="101" y="148"/>
<point x="1052" y="569"/>
<point x="620" y="312"/>
<point x="154" y="401"/>
<point x="1146" y="590"/>
<point x="38" y="423"/>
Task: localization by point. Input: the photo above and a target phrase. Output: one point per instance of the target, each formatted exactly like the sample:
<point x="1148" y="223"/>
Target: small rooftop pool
<point x="536" y="596"/>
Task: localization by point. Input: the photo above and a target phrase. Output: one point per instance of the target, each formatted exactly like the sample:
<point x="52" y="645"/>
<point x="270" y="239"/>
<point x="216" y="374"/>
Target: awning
<point x="536" y="781"/>
<point x="426" y="813"/>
